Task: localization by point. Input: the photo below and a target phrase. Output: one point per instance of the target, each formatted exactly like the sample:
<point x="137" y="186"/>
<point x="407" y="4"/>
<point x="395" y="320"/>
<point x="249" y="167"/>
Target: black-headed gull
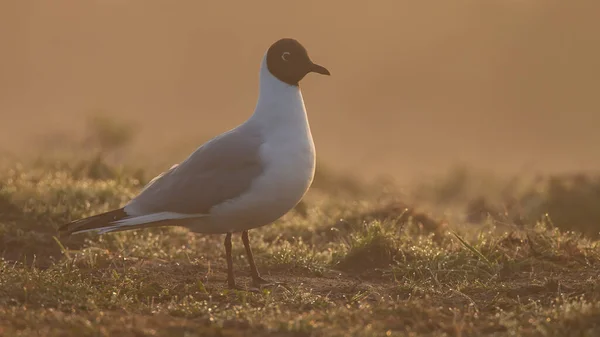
<point x="242" y="179"/>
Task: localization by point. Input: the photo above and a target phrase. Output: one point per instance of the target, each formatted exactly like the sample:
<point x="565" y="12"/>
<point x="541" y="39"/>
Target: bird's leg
<point x="256" y="279"/>
<point x="230" y="276"/>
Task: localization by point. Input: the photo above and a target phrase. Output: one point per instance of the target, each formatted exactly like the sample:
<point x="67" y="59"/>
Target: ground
<point x="354" y="260"/>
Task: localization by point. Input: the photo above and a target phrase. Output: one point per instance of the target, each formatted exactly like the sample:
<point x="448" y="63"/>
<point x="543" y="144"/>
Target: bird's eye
<point x="285" y="55"/>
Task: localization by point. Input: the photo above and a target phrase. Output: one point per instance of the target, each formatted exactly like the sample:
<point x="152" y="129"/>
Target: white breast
<point x="287" y="154"/>
<point x="289" y="162"/>
<point x="289" y="157"/>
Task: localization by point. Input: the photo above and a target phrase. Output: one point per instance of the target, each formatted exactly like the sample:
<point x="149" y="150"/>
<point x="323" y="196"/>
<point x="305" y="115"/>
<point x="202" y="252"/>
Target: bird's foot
<point x="260" y="283"/>
<point x="240" y="288"/>
<point x="234" y="287"/>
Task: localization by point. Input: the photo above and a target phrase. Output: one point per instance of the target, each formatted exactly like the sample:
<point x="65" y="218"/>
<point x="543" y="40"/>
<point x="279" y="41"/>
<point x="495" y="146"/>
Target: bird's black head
<point x="288" y="61"/>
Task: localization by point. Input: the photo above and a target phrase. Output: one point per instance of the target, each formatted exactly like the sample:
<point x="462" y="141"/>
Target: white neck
<point x="278" y="102"/>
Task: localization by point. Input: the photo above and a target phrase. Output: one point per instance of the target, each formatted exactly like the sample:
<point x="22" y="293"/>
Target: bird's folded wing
<point x="220" y="170"/>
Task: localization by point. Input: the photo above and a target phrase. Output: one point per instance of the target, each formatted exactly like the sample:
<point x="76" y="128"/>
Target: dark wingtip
<point x="93" y="222"/>
<point x="63" y="231"/>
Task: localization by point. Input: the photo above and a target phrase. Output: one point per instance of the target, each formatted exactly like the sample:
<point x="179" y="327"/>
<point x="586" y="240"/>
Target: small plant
<point x="369" y="249"/>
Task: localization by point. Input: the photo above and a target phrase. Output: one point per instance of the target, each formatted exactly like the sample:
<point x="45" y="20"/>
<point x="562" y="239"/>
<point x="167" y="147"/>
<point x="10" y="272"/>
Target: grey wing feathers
<point x="219" y="170"/>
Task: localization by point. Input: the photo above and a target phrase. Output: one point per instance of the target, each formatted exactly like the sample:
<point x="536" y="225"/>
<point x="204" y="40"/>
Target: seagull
<point x="245" y="178"/>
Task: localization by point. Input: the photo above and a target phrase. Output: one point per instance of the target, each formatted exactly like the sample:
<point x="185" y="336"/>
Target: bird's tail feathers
<point x="119" y="220"/>
<point x="96" y="222"/>
<point x="149" y="220"/>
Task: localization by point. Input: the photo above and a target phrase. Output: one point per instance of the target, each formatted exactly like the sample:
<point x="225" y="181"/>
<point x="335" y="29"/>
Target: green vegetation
<point x="354" y="261"/>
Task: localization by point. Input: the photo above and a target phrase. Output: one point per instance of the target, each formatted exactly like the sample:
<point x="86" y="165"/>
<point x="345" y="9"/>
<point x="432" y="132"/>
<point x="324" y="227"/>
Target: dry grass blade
<point x="473" y="249"/>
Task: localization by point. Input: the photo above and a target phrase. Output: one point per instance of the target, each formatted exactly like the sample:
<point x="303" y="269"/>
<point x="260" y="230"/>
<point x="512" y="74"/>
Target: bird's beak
<point x="315" y="68"/>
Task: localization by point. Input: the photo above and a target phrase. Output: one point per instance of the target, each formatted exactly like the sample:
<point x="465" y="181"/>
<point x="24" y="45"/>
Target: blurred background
<point x="417" y="86"/>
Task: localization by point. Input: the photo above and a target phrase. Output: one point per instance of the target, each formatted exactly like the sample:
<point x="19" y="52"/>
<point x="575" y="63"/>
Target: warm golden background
<point x="417" y="86"/>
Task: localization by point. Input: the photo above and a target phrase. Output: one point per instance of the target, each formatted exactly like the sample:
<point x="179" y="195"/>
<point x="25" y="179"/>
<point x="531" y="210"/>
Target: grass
<point x="355" y="263"/>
